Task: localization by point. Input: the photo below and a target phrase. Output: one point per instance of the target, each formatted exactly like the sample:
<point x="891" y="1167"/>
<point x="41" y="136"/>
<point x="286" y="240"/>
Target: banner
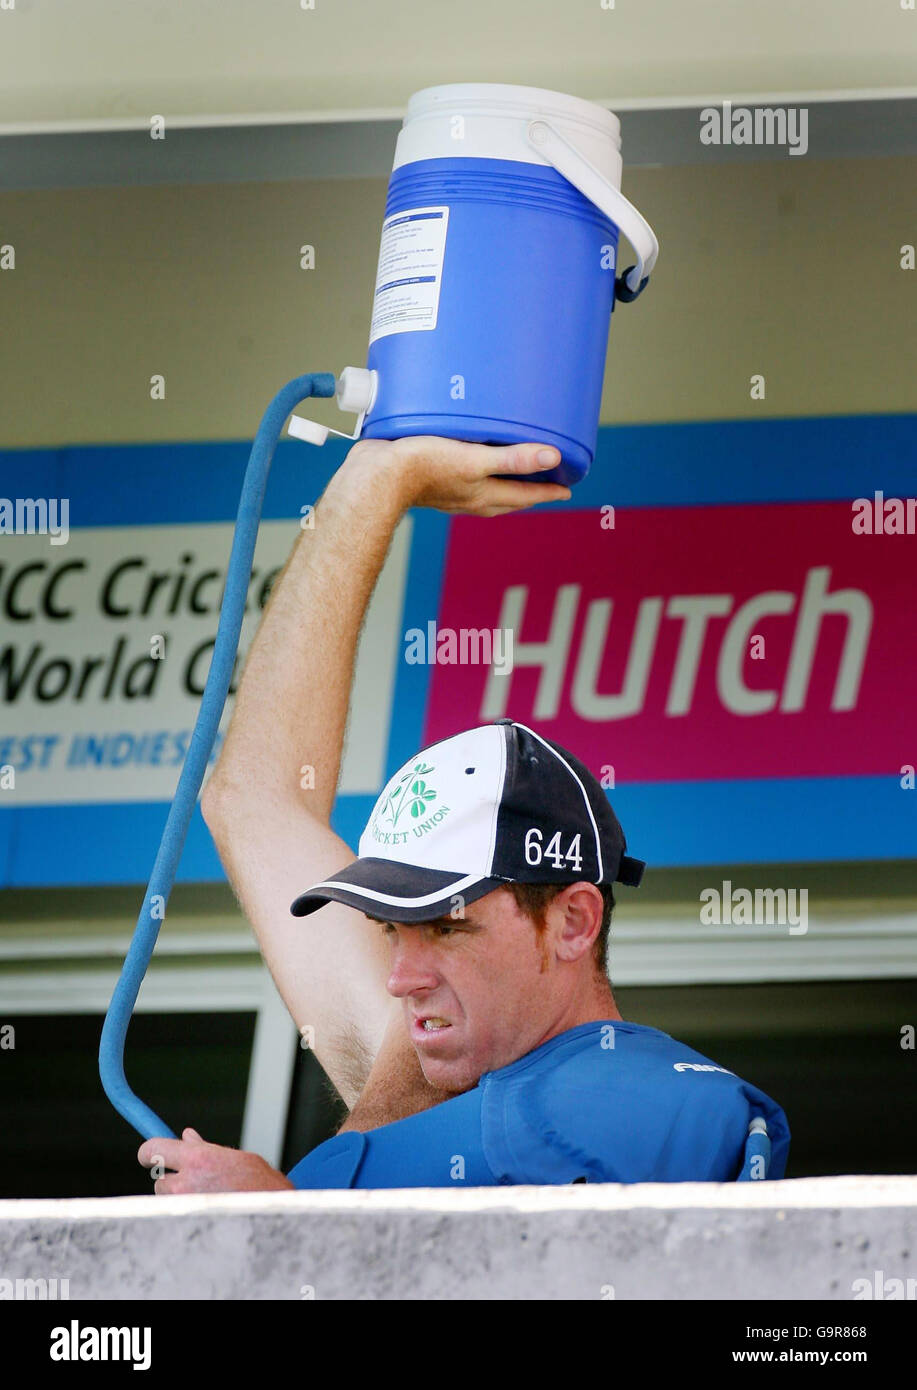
<point x="105" y="648"/>
<point x="709" y="624"/>
<point x="690" y="643"/>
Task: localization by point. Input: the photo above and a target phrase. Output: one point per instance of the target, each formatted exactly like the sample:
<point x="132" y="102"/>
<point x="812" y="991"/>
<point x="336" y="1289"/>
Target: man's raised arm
<point x="274" y="836"/>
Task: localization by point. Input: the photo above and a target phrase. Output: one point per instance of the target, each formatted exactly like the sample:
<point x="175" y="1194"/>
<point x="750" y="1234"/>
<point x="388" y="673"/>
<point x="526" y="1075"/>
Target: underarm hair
<point x="354" y="1060"/>
<point x="396" y="1086"/>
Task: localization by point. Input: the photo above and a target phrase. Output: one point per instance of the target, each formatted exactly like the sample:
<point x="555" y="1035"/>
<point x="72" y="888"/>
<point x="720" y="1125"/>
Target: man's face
<point x="486" y="982"/>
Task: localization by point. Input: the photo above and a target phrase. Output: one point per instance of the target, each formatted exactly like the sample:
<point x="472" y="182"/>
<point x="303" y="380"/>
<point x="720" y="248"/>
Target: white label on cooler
<point x="410" y="271"/>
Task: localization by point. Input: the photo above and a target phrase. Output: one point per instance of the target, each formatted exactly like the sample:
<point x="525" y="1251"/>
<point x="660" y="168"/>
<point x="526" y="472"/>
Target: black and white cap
<point x="489" y="806"/>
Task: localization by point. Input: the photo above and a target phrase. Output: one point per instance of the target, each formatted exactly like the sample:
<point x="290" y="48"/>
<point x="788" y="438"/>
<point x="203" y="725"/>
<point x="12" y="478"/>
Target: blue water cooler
<point x="497" y="274"/>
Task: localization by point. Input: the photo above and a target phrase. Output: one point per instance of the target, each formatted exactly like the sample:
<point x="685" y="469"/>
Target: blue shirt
<point x="604" y="1102"/>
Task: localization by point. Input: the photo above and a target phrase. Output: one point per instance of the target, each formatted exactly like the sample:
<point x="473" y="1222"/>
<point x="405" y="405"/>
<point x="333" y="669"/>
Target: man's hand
<point x="201" y="1167"/>
<point x="453" y="476"/>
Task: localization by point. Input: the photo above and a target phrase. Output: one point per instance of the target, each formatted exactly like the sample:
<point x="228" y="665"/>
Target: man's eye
<point x="445" y="929"/>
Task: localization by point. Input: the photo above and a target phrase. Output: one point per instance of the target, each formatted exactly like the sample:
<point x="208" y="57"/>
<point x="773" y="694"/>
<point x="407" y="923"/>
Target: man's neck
<point x="595" y="1005"/>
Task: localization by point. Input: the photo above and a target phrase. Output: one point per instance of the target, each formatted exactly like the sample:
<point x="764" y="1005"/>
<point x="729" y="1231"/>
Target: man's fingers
<point x="483" y="459"/>
<point x="526" y="458"/>
<point x="168" y="1187"/>
<point x="502" y="493"/>
<point x="514" y="458"/>
<point x="192" y="1136"/>
<point x="166" y="1151"/>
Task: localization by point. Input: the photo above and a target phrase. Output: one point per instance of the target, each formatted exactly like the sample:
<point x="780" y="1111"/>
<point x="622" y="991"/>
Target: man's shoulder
<point x="617" y="1053"/>
<point x="438" y="1147"/>
<point x="623" y="1102"/>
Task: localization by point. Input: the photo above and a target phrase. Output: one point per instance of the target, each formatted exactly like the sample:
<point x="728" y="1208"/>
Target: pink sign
<point x="686" y="643"/>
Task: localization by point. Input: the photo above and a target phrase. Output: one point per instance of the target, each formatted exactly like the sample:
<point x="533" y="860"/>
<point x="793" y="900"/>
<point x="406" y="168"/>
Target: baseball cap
<point x="492" y="805"/>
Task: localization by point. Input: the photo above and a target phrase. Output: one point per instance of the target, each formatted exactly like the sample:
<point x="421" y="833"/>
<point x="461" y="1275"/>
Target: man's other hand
<point x="453" y="476"/>
<point x="201" y="1167"/>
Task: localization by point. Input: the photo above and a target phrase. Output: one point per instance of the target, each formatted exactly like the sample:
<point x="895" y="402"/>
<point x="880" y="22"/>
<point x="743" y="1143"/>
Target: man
<point x="453" y="974"/>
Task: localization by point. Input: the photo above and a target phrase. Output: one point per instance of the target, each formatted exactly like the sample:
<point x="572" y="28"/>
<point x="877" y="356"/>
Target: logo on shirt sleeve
<point x="700" y="1066"/>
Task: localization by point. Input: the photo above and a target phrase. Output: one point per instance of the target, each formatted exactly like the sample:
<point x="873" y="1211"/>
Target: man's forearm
<point x="291" y="707"/>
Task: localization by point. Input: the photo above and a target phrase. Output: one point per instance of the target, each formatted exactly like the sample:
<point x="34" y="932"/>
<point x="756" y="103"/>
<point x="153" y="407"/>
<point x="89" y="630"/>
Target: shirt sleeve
<point x="439" y="1147"/>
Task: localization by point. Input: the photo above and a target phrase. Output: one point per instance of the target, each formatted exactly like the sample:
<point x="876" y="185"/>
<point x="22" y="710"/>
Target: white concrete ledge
<point x="815" y="1238"/>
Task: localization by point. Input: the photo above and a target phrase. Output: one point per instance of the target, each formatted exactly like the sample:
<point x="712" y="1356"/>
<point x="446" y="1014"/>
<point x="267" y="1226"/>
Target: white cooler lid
<point x="495" y="119"/>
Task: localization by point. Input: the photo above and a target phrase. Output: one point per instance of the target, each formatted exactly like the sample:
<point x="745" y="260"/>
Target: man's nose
<point x="412" y="968"/>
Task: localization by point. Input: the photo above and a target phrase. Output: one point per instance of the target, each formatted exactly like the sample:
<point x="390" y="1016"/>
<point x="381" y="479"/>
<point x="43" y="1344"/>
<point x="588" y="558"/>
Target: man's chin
<point x="453" y="1076"/>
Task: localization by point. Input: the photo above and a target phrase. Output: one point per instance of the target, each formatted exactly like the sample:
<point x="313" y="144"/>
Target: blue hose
<point x="114" y="1030"/>
<point x="757" y="1160"/>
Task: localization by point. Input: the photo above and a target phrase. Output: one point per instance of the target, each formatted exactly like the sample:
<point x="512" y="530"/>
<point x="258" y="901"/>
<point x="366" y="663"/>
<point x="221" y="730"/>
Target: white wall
<point x="811" y="1238"/>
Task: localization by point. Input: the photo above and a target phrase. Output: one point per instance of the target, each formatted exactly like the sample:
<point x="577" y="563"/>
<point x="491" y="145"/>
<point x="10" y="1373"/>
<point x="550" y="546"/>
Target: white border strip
<point x="391" y="899"/>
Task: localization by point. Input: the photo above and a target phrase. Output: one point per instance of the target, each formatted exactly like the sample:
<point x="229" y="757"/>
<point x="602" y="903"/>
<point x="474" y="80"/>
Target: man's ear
<point x="579" y="920"/>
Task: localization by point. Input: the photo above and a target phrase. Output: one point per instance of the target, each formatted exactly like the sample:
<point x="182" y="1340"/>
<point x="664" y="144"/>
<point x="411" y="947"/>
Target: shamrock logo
<point x="410" y="793"/>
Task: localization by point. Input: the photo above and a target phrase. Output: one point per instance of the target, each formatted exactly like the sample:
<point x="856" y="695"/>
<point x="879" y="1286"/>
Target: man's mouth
<point x="429" y="1025"/>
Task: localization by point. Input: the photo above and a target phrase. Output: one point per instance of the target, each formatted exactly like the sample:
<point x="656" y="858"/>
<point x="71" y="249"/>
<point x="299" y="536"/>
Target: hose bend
<point x="117" y="1019"/>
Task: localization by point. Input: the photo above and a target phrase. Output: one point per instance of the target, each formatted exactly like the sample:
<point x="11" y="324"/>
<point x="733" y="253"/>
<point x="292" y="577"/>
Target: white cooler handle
<point x="574" y="166"/>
